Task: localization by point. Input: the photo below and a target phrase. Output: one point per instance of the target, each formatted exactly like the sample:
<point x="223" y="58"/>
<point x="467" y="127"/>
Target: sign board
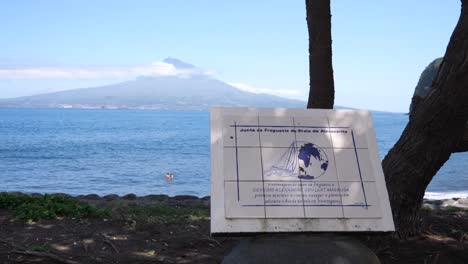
<point x="293" y="170"/>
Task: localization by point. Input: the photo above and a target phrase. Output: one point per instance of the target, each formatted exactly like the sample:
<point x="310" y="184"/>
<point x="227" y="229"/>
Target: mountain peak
<point x="178" y="64"/>
<point x="157" y="92"/>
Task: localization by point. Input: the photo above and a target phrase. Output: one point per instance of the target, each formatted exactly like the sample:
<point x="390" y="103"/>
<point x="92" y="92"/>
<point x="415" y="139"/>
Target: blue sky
<point x="379" y="47"/>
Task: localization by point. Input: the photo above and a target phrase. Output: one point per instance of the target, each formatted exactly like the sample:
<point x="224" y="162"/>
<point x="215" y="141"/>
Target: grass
<point x="48" y="206"/>
<point x="426" y="209"/>
<point x="142" y="215"/>
<point x="453" y="209"/>
<point x="38" y="248"/>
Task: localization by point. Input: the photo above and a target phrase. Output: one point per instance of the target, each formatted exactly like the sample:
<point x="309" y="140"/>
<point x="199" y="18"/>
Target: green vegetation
<point x="142" y="215"/>
<point x="453" y="209"/>
<point x="426" y="208"/>
<point x="38" y="248"/>
<point x="28" y="207"/>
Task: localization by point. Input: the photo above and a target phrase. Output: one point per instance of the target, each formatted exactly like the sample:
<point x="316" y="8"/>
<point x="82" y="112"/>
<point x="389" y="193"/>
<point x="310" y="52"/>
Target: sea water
<point x="104" y="151"/>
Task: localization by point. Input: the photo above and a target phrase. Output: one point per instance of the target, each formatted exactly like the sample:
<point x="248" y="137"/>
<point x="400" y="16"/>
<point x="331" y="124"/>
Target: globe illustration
<point x="313" y="161"/>
<point x="302" y="159"/>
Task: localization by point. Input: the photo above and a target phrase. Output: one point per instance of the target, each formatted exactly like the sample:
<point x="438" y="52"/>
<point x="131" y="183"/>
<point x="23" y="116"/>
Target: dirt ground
<point x="129" y="237"/>
<point x="107" y="241"/>
<point x="444" y="239"/>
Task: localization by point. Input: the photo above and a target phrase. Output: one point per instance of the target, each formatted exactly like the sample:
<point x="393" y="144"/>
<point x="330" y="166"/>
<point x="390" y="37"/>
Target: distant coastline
<point x="110" y="107"/>
<point x="168" y="92"/>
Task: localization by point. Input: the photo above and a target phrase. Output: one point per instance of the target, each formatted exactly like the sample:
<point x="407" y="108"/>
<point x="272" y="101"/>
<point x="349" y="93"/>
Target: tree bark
<point x="435" y="130"/>
<point x="463" y="145"/>
<point x="322" y="90"/>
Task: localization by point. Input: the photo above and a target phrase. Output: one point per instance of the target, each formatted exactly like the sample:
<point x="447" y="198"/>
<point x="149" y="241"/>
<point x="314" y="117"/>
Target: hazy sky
<point x="379" y="47"/>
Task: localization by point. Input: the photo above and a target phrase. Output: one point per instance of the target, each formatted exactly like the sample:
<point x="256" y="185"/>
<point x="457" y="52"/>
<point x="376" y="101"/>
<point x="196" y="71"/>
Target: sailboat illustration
<point x="303" y="160"/>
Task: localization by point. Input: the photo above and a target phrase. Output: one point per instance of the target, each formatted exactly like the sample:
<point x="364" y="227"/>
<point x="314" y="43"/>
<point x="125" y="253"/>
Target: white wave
<point x="445" y="195"/>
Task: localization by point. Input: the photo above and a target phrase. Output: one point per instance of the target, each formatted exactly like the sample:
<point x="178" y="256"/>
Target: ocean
<point x="107" y="151"/>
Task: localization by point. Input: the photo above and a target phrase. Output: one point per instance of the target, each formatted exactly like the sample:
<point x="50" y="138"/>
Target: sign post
<point x="296" y="170"/>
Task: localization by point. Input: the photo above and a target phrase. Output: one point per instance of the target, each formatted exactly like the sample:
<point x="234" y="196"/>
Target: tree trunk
<point x="463" y="144"/>
<point x="435" y="130"/>
<point x="322" y="91"/>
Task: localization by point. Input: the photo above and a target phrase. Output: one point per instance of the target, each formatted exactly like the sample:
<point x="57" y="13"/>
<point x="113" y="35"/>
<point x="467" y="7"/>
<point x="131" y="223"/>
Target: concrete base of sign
<point x="314" y="248"/>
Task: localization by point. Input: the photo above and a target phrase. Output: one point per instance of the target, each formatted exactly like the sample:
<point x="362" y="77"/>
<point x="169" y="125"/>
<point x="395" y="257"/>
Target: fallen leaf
<point x="151" y="252"/>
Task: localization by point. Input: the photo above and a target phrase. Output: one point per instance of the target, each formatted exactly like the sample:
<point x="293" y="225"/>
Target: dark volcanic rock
<point x="206" y="200"/>
<point x="156" y="197"/>
<point x="92" y="197"/>
<point x="185" y="197"/>
<point x="298" y="249"/>
<point x="62" y="194"/>
<point x="129" y="196"/>
<point x="111" y="197"/>
<point x="424" y="85"/>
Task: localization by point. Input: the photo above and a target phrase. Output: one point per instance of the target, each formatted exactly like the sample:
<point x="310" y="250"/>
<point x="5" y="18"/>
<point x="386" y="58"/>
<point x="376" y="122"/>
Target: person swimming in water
<point x="169" y="176"/>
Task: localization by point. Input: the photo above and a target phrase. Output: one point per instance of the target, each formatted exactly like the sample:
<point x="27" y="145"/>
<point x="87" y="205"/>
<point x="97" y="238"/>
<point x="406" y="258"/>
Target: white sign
<point x="292" y="170"/>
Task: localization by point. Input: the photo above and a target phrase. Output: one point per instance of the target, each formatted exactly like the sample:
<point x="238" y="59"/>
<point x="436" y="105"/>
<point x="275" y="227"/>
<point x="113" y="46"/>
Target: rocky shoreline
<point x="178" y="200"/>
<point x="190" y="200"/>
<point x="184" y="200"/>
<point x="445" y="203"/>
<point x="176" y="229"/>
